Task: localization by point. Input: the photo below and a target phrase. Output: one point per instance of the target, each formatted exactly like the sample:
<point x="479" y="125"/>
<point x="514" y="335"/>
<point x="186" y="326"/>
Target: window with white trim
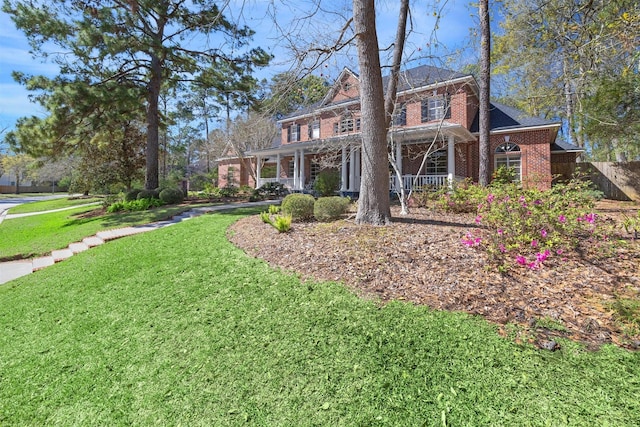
<point x="435" y="108"/>
<point x="400" y="115"/>
<point x="314" y="129"/>
<point x="508" y="155"/>
<point x="293" y="133"/>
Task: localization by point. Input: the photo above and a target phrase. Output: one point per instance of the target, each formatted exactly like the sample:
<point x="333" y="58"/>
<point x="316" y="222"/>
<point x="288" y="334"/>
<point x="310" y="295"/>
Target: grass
<point x="40" y="234"/>
<point x="178" y="327"/>
<point x="46" y="205"/>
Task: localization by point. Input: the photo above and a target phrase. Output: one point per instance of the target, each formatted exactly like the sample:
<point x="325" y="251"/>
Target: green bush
<point x="148" y="194"/>
<point x="330" y="208"/>
<point x="134" y="205"/>
<point x="132" y="194"/>
<point x="270" y="189"/>
<point x="171" y="196"/>
<point x="327" y="183"/>
<point x="503" y="175"/>
<point x="299" y="206"/>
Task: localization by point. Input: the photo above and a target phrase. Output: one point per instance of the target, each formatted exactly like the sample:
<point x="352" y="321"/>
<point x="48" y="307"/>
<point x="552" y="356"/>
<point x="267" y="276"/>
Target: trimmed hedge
<point x="330" y="208"/>
<point x="171" y="196"/>
<point x="299" y="206"/>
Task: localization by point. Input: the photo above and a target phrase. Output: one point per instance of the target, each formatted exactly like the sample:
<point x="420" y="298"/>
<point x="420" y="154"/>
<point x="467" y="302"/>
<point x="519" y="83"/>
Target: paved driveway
<point x="6" y="204"/>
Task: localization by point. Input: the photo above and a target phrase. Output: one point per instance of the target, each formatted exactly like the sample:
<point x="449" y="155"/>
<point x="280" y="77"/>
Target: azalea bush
<point x="527" y="227"/>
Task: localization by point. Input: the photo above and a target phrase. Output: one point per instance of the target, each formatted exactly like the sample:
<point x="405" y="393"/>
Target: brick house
<point x="436" y="115"/>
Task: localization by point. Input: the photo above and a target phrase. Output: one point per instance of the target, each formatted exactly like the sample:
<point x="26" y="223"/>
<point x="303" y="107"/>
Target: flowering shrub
<point x="463" y="197"/>
<point x="528" y="227"/>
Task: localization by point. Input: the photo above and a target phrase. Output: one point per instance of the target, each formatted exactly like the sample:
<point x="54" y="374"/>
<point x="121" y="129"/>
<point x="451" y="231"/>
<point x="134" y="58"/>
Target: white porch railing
<point x="287" y="182"/>
<point x="419" y="181"/>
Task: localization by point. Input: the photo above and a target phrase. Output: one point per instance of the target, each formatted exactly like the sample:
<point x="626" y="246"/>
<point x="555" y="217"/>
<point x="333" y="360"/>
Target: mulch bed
<point x="419" y="258"/>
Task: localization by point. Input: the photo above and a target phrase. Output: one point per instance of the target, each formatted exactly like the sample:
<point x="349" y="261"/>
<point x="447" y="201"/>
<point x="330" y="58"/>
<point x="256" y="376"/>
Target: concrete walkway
<point x="14" y="269"/>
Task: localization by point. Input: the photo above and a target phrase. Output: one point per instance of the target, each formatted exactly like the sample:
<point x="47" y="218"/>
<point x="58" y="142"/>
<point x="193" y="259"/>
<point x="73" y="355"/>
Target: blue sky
<point x="457" y="18"/>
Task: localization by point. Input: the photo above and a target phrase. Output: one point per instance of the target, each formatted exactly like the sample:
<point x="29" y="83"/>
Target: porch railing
<point x="419" y="182"/>
<point x="287" y="182"/>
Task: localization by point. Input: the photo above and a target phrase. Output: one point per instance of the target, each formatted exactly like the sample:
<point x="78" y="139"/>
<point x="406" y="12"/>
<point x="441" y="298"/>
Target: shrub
<point x="132" y="194"/>
<point x="327" y="182"/>
<point x="330" y="208"/>
<point x="503" y="175"/>
<point x="270" y="189"/>
<point x="299" y="206"/>
<point x="171" y="196"/>
<point x="463" y="197"/>
<point x="134" y="205"/>
<point x="282" y="223"/>
<point x="147" y="194"/>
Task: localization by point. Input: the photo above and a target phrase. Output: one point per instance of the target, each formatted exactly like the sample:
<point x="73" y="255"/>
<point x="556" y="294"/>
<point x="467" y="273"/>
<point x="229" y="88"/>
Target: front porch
<point x="296" y="165"/>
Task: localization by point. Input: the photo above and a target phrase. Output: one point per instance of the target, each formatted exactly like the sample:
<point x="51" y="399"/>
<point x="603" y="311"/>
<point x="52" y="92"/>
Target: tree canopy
<point x="141" y="44"/>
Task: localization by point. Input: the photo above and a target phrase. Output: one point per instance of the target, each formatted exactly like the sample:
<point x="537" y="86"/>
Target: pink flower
<point x="490" y="198"/>
<point x="543" y="233"/>
<point x="537" y="202"/>
<point x="521" y="260"/>
<point x="534" y="243"/>
<point x="542" y="257"/>
<point x="562" y="219"/>
<point x="533" y="265"/>
<point x="478" y="219"/>
<point x="502" y="248"/>
<point x="590" y="218"/>
<point x="500" y="231"/>
<point x="559" y="251"/>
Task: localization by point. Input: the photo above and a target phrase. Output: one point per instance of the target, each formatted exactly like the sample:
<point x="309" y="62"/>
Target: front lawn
<point x="40" y="234"/>
<point x="47" y="205"/>
<point x="177" y="326"/>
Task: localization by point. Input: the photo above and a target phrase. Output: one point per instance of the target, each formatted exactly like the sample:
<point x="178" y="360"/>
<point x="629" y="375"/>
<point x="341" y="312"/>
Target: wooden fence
<point x="618" y="181"/>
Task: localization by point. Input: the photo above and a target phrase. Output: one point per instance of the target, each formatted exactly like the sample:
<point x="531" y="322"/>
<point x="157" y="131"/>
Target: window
<point x="437" y="163"/>
<point x="509" y="156"/>
<point x="400" y="115"/>
<point x="314" y="129"/>
<point x="291" y="169"/>
<point x="315" y="170"/>
<point x="436" y="108"/>
<point x="293" y="133"/>
<point x="346" y="125"/>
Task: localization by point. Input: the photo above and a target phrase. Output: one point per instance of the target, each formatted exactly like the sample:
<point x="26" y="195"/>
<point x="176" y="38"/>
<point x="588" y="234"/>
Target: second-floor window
<point x="435" y="108"/>
<point x="293" y="133"/>
<point x="400" y="115"/>
<point x="346" y="125"/>
<point x="314" y="129"/>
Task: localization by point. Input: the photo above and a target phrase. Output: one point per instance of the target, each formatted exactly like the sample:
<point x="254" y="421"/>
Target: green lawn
<point x="178" y="327"/>
<point x="40" y="234"/>
<point x="46" y="205"/>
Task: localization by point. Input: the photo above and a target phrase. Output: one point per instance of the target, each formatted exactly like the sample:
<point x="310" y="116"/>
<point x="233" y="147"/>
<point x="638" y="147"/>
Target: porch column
<point x="451" y="160"/>
<point x="258" y="171"/>
<point x="301" y="169"/>
<point x="357" y="170"/>
<point x="296" y="173"/>
<point x="352" y="169"/>
<point x="278" y="171"/>
<point x="343" y="164"/>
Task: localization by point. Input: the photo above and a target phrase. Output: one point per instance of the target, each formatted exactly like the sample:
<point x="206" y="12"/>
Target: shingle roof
<point x="505" y="117"/>
<point x="560" y="145"/>
<point x="423" y="75"/>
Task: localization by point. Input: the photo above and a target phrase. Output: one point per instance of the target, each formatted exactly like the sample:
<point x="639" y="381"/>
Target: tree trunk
<point x="485" y="93"/>
<point x="153" y="124"/>
<point x="373" y="204"/>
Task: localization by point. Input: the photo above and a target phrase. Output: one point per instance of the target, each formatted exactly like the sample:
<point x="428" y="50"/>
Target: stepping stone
<point x="13" y="270"/>
<point x="39" y="263"/>
<point x="92" y="241"/>
<point x="78" y="247"/>
<point x="61" y="254"/>
<point x="106" y="235"/>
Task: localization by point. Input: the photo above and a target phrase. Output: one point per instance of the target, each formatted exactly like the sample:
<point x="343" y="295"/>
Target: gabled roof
<point x="503" y="117"/>
<point x="560" y="146"/>
<point x="412" y="78"/>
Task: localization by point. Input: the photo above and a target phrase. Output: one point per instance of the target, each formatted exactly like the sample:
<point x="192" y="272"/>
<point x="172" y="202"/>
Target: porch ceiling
<point x="421" y="133"/>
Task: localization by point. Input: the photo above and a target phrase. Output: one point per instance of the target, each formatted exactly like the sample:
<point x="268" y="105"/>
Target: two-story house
<point x="436" y="115"/>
